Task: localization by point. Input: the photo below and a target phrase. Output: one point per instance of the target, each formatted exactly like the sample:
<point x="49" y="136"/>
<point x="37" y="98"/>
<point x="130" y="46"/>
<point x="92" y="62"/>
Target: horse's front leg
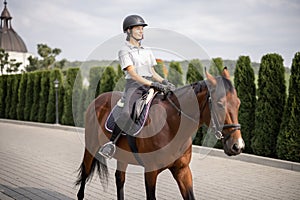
<point x="183" y="177"/>
<point x="150" y="183"/>
<point x="120" y="179"/>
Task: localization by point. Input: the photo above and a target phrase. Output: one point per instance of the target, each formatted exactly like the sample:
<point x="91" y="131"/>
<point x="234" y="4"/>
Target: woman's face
<point x="137" y="32"/>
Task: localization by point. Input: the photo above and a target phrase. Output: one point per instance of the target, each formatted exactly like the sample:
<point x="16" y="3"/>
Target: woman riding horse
<point x="178" y="115"/>
<point x="138" y="63"/>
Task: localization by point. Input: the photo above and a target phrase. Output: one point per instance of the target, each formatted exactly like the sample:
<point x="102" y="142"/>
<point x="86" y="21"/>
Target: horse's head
<point x="224" y="106"/>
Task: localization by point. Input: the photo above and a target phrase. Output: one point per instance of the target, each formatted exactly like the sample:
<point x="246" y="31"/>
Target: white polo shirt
<point x="141" y="58"/>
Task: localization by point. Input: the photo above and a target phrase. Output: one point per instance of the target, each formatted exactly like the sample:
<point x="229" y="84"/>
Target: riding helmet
<point x="133" y="20"/>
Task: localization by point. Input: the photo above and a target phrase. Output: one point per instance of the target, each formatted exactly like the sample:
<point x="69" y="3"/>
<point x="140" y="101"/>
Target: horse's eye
<point x="221" y="104"/>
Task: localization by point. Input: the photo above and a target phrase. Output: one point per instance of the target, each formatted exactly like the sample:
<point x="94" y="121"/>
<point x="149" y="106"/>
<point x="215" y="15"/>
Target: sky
<point x="222" y="28"/>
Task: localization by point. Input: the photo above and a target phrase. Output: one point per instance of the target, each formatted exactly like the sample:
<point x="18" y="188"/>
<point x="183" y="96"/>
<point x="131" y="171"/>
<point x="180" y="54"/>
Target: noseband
<point x="217" y="128"/>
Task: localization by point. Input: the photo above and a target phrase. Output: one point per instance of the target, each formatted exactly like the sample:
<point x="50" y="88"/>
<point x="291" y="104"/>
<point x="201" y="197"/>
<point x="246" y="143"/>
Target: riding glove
<point x="170" y="85"/>
<point x="158" y="86"/>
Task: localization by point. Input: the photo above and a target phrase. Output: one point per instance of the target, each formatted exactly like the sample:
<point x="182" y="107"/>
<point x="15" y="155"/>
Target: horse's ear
<point x="210" y="78"/>
<point x="225" y="73"/>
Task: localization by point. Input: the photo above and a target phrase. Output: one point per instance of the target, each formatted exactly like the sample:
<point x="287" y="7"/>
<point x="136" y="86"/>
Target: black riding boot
<point x="108" y="149"/>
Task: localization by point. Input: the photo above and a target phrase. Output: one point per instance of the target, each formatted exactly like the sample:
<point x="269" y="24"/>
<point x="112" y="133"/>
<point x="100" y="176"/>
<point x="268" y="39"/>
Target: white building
<point x="11" y="42"/>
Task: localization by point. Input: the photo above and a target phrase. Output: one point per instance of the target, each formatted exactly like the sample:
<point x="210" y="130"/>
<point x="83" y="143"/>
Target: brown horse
<point x="165" y="141"/>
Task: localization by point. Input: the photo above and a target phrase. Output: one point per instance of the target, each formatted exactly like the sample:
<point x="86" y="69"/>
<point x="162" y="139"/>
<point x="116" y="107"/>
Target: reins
<point x="180" y="112"/>
<point x="217" y="128"/>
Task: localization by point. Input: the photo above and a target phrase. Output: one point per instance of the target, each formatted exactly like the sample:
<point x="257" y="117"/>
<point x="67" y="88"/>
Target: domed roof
<point x="9" y="39"/>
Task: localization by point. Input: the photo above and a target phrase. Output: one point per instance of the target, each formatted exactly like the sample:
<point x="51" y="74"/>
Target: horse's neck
<point x="190" y="102"/>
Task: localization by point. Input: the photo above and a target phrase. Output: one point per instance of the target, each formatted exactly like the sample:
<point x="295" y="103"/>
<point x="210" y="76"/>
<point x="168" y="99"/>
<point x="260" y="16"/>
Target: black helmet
<point x="133" y="20"/>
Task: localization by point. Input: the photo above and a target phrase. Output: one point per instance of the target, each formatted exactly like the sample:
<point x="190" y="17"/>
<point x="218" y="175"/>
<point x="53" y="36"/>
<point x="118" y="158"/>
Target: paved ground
<point x="41" y="163"/>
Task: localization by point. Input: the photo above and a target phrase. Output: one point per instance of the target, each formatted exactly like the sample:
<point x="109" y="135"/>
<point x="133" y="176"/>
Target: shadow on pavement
<point x="31" y="193"/>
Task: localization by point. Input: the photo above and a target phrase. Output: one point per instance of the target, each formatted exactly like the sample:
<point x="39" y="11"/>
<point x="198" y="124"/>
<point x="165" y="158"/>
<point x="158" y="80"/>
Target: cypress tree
<point x="245" y="86"/>
<point x="175" y="74"/>
<point x="44" y="94"/>
<point x="216" y="66"/>
<point x="288" y="143"/>
<point x="67" y="117"/>
<point x="9" y="94"/>
<point x="82" y="107"/>
<point x="22" y="97"/>
<point x="119" y="80"/>
<point x="29" y="96"/>
<point x="55" y="74"/>
<point x="3" y="92"/>
<point x="195" y="71"/>
<point x="270" y="105"/>
<point x="77" y="99"/>
<point x="14" y="98"/>
<point x="94" y="79"/>
<point x="193" y="75"/>
<point x="107" y="81"/>
<point x="36" y="96"/>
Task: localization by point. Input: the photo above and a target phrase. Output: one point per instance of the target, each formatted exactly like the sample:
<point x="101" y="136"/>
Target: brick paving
<point x="41" y="163"/>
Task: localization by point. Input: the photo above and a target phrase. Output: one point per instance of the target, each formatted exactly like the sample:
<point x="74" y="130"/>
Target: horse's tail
<point x="85" y="173"/>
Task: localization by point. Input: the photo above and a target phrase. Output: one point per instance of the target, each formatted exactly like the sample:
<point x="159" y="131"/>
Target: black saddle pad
<point x="137" y="126"/>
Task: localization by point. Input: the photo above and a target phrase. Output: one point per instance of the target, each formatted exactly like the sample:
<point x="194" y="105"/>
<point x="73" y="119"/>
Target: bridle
<point x="216" y="126"/>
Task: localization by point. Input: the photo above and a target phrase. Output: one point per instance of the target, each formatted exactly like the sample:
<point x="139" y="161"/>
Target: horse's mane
<point x="199" y="86"/>
<point x="227" y="83"/>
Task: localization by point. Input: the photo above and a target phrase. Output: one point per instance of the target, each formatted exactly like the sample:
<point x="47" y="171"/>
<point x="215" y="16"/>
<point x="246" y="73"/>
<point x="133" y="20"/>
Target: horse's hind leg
<point x="120" y="179"/>
<point x="150" y="182"/>
<point x="84" y="173"/>
<point x="183" y="176"/>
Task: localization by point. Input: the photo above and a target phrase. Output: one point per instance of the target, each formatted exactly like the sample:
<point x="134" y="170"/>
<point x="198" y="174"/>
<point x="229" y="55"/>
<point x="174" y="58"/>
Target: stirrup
<point x="108" y="150"/>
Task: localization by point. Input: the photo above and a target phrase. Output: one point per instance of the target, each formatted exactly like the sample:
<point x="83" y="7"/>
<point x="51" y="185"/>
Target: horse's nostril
<point x="235" y="148"/>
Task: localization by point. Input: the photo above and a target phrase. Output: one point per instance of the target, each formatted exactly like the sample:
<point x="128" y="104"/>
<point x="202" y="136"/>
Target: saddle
<point x="139" y="113"/>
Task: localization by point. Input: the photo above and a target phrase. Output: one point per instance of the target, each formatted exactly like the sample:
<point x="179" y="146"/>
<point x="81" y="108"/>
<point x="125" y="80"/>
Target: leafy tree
<point x="194" y="72"/>
<point x="13" y="66"/>
<point x="107" y="81"/>
<point x="51" y="104"/>
<point x="44" y="94"/>
<point x="48" y="61"/>
<point x="36" y="96"/>
<point x="3" y="93"/>
<point x="48" y="55"/>
<point x="34" y="64"/>
<point x="3" y="59"/>
<point x="175" y="74"/>
<point x="288" y="143"/>
<point x="216" y="66"/>
<point x="245" y="86"/>
<point x="270" y="105"/>
<point x="22" y="97"/>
